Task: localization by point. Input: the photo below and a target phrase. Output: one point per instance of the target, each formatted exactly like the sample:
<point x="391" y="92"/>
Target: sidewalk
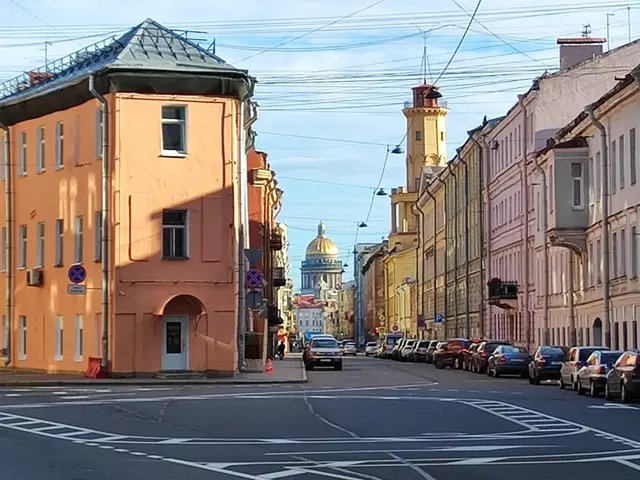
<point x="290" y="370"/>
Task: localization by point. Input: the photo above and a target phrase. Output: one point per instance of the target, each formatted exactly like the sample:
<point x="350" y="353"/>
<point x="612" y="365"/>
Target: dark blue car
<point x="509" y="360"/>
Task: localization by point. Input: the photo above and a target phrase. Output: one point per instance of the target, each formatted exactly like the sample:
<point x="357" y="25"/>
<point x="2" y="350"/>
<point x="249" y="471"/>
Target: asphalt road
<point x="375" y="420"/>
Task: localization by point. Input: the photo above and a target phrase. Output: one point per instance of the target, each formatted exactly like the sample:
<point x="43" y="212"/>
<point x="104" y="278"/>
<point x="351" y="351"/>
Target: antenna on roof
<point x="586" y="30"/>
<point x="212" y="47"/>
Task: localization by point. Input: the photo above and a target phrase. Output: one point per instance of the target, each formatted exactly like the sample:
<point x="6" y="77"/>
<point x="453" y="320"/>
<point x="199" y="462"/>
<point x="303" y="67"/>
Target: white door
<point x="175" y="343"/>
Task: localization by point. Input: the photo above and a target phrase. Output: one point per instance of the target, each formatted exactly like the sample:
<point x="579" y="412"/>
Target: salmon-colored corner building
<point x="148" y="131"/>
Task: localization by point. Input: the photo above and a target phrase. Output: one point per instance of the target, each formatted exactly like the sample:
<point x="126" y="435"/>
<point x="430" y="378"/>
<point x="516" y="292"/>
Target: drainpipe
<point x="545" y="300"/>
<point x="572" y="309"/>
<point x="606" y="294"/>
<point x="480" y="233"/>
<point x="446" y="241"/>
<point x="455" y="242"/>
<point x="8" y="195"/>
<point x="525" y="189"/>
<point x="242" y="238"/>
<point x="466" y="243"/>
<point x="435" y="259"/>
<point x="104" y="240"/>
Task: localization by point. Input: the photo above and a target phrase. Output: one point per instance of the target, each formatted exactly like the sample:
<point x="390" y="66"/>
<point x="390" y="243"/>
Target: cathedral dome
<point x="321" y="246"/>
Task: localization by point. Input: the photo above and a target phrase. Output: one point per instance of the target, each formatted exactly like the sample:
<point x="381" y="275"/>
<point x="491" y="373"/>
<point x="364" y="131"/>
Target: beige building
<point x="591" y="177"/>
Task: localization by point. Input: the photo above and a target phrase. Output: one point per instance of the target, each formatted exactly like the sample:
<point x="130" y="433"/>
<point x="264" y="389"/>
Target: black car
<point x="546" y="363"/>
<point x="508" y="360"/>
<point x="480" y="358"/>
<point x="623" y="379"/>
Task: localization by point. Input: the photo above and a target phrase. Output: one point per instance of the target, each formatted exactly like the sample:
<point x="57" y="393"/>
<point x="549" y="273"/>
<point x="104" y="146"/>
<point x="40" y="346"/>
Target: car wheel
<point x="456" y="364"/>
<point x="338" y="366"/>
<point x="496" y="373"/>
<point x="561" y="383"/>
<point x="531" y="381"/>
<point x="578" y="387"/>
<point x="308" y="366"/>
<point x="489" y="370"/>
<point x="624" y="395"/>
<point x="607" y="392"/>
<point x="439" y="365"/>
<point x="574" y="384"/>
<point x="592" y="389"/>
<point x="536" y="380"/>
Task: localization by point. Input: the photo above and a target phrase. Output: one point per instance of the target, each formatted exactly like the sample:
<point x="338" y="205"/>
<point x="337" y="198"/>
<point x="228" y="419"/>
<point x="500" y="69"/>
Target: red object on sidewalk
<point x="94" y="368"/>
<point x="268" y="368"/>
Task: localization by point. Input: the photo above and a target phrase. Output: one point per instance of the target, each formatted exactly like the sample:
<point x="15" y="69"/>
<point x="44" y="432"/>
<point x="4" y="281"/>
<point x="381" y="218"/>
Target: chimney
<point x="576" y="50"/>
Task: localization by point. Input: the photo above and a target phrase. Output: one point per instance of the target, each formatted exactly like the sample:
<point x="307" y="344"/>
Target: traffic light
<point x="377" y="330"/>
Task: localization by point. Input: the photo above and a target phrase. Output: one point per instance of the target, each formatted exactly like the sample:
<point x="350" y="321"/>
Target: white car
<point x="370" y="348"/>
<point x="350" y="349"/>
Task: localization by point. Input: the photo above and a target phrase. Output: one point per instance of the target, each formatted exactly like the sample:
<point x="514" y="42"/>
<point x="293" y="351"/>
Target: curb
<point x="149" y="382"/>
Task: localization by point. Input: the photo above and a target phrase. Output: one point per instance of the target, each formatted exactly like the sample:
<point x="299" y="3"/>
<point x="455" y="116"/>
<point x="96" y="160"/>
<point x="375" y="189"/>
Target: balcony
<point x="503" y="294"/>
<point x="279" y="278"/>
<point x="568" y="216"/>
<point x="273" y="316"/>
<point x="275" y="241"/>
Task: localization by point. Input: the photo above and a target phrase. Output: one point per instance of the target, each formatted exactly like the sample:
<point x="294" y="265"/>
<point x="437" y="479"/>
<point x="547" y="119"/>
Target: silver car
<point x="350" y="349"/>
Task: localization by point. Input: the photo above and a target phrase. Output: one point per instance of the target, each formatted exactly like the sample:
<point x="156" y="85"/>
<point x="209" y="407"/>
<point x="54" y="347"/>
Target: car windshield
<point x="514" y="350"/>
<point x="609" y="357"/>
<point x="324" y="343"/>
<point x="586" y="353"/>
<point x="551" y="351"/>
<point x="423" y="344"/>
<point x="490" y="347"/>
<point x="392" y="340"/>
<point x="371" y="344"/>
<point x="350" y="345"/>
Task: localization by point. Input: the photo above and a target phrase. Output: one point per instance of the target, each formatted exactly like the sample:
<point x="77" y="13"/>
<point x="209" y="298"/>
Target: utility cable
<point x="312" y="31"/>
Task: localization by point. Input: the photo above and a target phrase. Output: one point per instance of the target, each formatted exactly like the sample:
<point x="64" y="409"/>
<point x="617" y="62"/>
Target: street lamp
<point x="381" y="193"/>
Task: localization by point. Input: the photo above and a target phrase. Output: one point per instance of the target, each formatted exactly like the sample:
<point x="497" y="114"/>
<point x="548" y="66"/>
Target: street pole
<point x="608" y="16"/>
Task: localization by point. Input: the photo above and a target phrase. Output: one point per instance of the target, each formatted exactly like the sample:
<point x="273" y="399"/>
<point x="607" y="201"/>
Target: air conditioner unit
<point x="35" y="278"/>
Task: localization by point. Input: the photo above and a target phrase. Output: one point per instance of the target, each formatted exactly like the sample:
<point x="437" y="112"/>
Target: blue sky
<point x="331" y="101"/>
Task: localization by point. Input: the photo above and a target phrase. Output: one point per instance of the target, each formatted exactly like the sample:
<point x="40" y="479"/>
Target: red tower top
<point x="426" y="95"/>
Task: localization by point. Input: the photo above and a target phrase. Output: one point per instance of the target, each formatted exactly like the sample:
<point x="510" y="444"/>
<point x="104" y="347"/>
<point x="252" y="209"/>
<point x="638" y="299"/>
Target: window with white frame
<point x="634" y="252"/>
<point x="598" y="265"/>
<point x="592" y="192"/>
<point x="59" y="338"/>
<point x="59" y="242"/>
<point x="175" y="235"/>
<point x="22" y="156"/>
<point x="597" y="176"/>
<point x="59" y="145"/>
<point x="79" y="338"/>
<point x="577" y="185"/>
<point x="591" y="259"/>
<point x="99" y="133"/>
<point x="621" y="153"/>
<point x="174" y="130"/>
<point x="22" y="246"/>
<point x="78" y="235"/>
<point x="40" y="245"/>
<point x="41" y="151"/>
<point x="623" y="252"/>
<point x="613" y="181"/>
<point x="98" y="237"/>
<point x="614" y="255"/>
<point x="633" y="172"/>
<point x="22" y="337"/>
<point x="4" y="249"/>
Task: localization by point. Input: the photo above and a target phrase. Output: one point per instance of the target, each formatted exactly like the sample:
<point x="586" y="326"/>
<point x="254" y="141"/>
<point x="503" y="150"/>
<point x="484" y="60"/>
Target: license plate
<point x="556" y="363"/>
<point x="325" y="360"/>
<point x="517" y="360"/>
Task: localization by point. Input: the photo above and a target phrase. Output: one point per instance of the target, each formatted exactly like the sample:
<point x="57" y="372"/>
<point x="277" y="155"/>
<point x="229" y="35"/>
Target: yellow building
<point x="426" y="146"/>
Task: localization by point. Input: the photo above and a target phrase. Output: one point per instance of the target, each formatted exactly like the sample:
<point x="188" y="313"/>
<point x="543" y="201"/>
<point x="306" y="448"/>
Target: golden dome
<point x="321" y="245"/>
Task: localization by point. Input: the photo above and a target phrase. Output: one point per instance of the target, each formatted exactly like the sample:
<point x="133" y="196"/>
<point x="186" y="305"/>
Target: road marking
<point x="614" y="406"/>
<point x="461" y="448"/>
<point x="12" y="395"/>
<point x="627" y="463"/>
<point x="78" y="397"/>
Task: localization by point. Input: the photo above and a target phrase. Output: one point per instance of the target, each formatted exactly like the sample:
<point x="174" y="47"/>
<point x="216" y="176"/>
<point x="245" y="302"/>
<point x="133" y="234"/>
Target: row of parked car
<point x="592" y="369"/>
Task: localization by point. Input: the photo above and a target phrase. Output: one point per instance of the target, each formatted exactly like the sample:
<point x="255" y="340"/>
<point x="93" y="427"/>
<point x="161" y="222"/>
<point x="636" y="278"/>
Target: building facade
<point x="373" y="292"/>
<point x="144" y="192"/>
<point x="282" y="273"/>
<point x="580" y="260"/>
<point x="511" y="198"/>
<point x="346" y="312"/>
<point x="309" y="315"/>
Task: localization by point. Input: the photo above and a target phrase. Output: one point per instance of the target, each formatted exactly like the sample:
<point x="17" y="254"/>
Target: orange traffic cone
<point x="268" y="368"/>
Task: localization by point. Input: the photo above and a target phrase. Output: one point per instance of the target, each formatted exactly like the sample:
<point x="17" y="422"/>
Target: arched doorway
<point x="597" y="332"/>
<point x="175" y="313"/>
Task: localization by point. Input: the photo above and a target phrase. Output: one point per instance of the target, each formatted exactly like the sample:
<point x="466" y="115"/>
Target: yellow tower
<point x="426" y="145"/>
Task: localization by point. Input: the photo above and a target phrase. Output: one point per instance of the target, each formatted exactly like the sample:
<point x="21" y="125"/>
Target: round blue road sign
<point x="77" y="274"/>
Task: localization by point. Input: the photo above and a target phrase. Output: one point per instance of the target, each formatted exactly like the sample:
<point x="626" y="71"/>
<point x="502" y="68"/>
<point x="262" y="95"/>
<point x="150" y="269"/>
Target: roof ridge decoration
<point x="147" y="46"/>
